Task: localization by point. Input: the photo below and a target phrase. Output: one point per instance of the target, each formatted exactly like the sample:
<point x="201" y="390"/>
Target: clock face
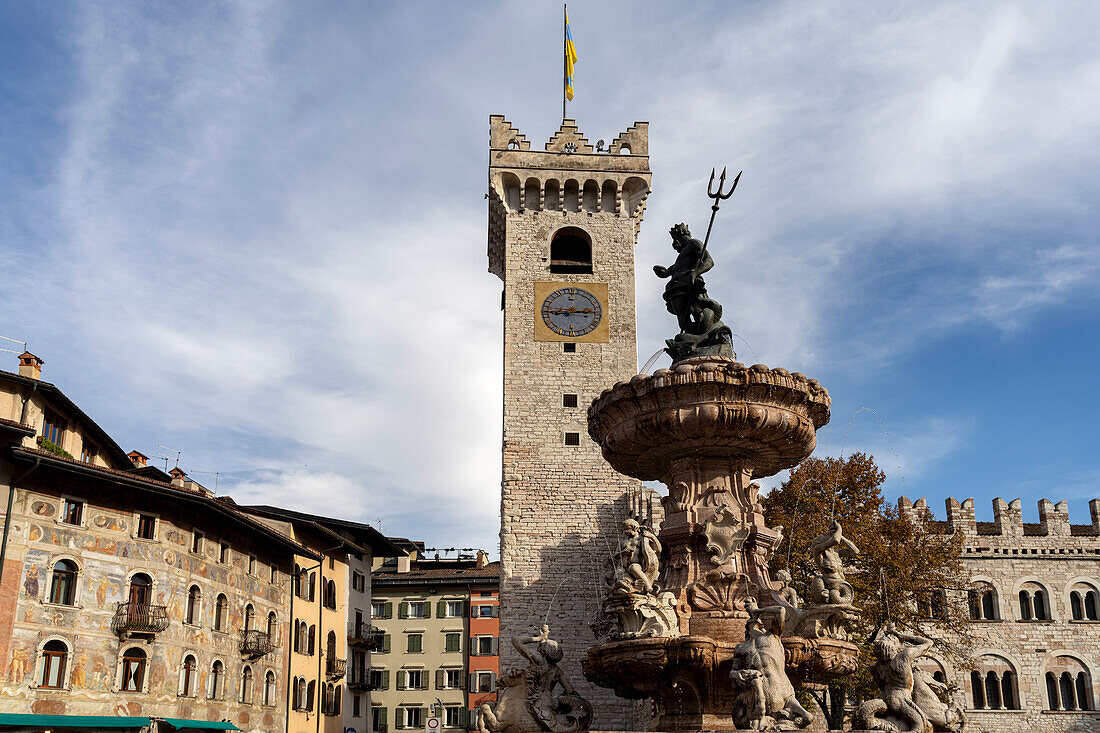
<point x="571" y="312"/>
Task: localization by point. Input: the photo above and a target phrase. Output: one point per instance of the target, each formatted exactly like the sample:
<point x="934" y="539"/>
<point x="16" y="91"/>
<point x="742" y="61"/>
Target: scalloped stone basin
<point x="688" y="675"/>
<point x="764" y="418"/>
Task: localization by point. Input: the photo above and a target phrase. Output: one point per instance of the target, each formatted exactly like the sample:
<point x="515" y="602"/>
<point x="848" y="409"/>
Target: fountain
<point x="696" y="621"/>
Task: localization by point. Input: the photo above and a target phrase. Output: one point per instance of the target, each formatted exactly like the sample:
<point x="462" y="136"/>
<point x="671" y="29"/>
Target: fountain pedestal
<point x="706" y="428"/>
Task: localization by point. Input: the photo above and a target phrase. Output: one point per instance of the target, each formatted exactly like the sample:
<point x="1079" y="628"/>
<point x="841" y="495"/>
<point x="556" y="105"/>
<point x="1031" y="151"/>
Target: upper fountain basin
<point x="709" y="406"/>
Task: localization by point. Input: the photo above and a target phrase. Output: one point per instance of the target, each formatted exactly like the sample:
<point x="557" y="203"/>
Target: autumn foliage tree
<point x="909" y="570"/>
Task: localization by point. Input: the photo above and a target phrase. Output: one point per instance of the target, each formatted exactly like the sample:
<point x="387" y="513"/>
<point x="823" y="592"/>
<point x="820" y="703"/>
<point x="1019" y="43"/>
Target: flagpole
<point x="564" y="54"/>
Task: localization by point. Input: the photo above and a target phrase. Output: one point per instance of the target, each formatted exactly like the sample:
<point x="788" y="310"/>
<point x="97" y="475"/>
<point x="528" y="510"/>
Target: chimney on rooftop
<point x="178" y="476"/>
<point x="482" y="558"/>
<point x="30" y="365"/>
<point x="140" y="460"/>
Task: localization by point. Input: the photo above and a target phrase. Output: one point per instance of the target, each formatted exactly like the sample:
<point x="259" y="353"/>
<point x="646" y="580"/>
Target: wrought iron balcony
<point x="359" y="678"/>
<point x="335" y="668"/>
<point x="364" y="635"/>
<point x="255" y="644"/>
<point x="139" y="618"/>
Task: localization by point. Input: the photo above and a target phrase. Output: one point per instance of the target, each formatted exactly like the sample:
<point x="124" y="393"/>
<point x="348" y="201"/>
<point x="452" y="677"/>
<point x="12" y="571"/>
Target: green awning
<point x="183" y="724"/>
<point x="71" y="721"/>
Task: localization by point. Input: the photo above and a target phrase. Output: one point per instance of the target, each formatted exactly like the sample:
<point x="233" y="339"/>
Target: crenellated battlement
<point x="1008" y="524"/>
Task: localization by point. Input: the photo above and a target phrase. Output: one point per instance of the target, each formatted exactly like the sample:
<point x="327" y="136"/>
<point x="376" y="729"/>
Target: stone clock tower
<point x="563" y="223"/>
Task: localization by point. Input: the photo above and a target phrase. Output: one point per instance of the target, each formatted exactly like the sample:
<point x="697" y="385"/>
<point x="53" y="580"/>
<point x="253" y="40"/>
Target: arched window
<point x="531" y="195"/>
<point x="1077" y="608"/>
<point x="221" y="611"/>
<point x="141" y="590"/>
<point x="246" y="685"/>
<point x="272" y="627"/>
<point x="1034" y="602"/>
<point x="133" y="670"/>
<point x="330" y="645"/>
<point x="1069" y="685"/>
<point x="301" y="638"/>
<point x="590" y="196"/>
<point x="217" y="680"/>
<point x="194" y="605"/>
<point x="1084" y="602"/>
<point x="269" y="688"/>
<point x="54" y="655"/>
<point x="571" y="196"/>
<point x="983" y="603"/>
<point x="188" y="676"/>
<point x="249" y="617"/>
<point x="607" y="197"/>
<point x="994" y="686"/>
<point x="1025" y="605"/>
<point x="571" y="252"/>
<point x="1041" y="606"/>
<point x="336" y="701"/>
<point x="63" y="584"/>
<point x="298" y="580"/>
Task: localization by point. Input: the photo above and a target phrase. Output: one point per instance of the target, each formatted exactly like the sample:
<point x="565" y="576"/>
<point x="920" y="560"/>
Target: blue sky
<point x="255" y="232"/>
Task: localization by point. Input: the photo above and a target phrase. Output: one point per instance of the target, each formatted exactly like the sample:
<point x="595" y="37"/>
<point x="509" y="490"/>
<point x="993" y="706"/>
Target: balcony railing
<point x="364" y="635"/>
<point x="359" y="678"/>
<point x="255" y="644"/>
<point x="335" y="668"/>
<point x="139" y="618"/>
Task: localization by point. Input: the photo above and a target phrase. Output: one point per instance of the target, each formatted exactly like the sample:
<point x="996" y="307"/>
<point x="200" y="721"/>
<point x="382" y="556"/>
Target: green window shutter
<point x="439" y="679"/>
<point x="473" y="647"/>
<point x="382" y="720"/>
<point x="462" y="717"/>
<point x="494" y="646"/>
<point x="386" y="644"/>
<point x="427" y="609"/>
<point x="454" y="642"/>
<point x="403" y="610"/>
<point x="465" y="610"/>
<point x="401" y="675"/>
<point x="388" y="614"/>
<point x="441" y="609"/>
<point x="472" y="686"/>
<point x="423" y="716"/>
<point x="414" y="644"/>
<point x="492" y="680"/>
<point x="385" y="682"/>
<point x="460" y="680"/>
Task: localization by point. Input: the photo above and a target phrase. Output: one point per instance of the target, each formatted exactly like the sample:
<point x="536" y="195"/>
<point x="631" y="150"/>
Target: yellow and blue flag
<point x="570" y="59"/>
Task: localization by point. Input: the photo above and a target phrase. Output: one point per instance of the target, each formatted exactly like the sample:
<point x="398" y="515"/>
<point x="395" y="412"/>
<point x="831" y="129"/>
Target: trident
<point x="717" y="196"/>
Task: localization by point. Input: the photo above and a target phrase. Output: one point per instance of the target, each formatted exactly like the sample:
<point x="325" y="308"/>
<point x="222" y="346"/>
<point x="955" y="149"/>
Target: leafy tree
<point x="911" y="570"/>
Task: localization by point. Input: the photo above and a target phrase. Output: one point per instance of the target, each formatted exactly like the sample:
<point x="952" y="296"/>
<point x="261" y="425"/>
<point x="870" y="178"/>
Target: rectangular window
<point x="569" y="347"/>
<point x="414" y="679"/>
<point x="413" y="718"/>
<point x="378" y="609"/>
<point x="274" y="574"/>
<point x="88" y="452"/>
<point x="375" y="678"/>
<point x="147" y="526"/>
<point x="223" y="553"/>
<point x="356" y="702"/>
<point x="486" y="611"/>
<point x="451" y="717"/>
<point x="377" y="719"/>
<point x="415" y="644"/>
<point x="569" y="400"/>
<point x="52" y="427"/>
<point x="417" y="609"/>
<point x="251" y="564"/>
<point x="484" y="682"/>
<point x="72" y="512"/>
<point x="331" y="562"/>
<point x="453" y="643"/>
<point x="452" y="678"/>
<point x="572" y="438"/>
<point x="486" y="646"/>
<point x="196" y="543"/>
<point x="454" y="609"/>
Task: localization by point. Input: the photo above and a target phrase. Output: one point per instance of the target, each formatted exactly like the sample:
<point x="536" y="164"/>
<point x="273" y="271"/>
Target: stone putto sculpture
<point x="699" y="316"/>
<point x="766" y="699"/>
<point x="527" y="701"/>
<point x="895" y="655"/>
<point x="635" y="604"/>
<point x="830" y="585"/>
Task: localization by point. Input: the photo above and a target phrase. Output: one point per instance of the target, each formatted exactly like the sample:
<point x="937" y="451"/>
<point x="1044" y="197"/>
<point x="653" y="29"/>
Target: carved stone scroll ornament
<point x="725" y="534"/>
<point x="765" y="696"/>
<point x="528" y="700"/>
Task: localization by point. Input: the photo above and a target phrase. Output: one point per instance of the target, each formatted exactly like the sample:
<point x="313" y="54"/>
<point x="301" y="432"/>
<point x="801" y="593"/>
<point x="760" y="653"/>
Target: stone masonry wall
<point x="560" y="505"/>
<point x="1011" y="555"/>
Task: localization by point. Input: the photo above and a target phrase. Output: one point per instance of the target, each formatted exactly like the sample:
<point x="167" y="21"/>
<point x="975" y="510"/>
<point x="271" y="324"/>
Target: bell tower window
<point x="571" y="252"/>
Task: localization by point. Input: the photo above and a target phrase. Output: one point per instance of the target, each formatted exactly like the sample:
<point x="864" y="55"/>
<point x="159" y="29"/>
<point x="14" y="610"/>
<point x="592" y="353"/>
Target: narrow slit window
<point x="572" y="438"/>
<point x="569" y="347"/>
<point x="569" y="400"/>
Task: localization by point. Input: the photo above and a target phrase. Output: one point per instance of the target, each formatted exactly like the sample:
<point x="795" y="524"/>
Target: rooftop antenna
<point x="14" y="341"/>
<point x="167" y="458"/>
<point x="215" y="474"/>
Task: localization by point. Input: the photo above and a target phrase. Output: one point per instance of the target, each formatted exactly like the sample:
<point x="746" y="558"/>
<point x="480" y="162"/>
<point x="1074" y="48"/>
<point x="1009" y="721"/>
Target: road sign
<point x="434" y="724"/>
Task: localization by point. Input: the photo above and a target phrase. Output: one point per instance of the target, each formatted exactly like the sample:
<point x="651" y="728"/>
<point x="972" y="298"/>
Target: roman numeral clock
<point x="571" y="312"/>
